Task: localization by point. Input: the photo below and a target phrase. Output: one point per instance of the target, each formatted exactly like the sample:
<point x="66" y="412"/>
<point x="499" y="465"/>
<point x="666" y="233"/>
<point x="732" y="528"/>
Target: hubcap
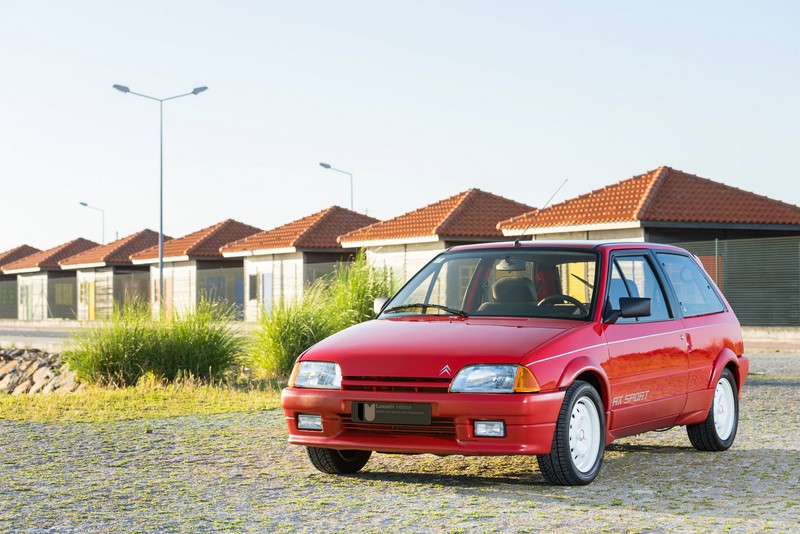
<point x="724" y="409"/>
<point x="584" y="435"/>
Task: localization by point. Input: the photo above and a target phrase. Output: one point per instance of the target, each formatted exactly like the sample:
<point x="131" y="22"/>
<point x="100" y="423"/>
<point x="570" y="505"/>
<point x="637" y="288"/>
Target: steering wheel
<point x="559" y="297"/>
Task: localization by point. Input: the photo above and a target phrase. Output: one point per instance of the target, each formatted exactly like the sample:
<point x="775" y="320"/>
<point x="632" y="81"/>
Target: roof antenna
<point x="519" y="237"/>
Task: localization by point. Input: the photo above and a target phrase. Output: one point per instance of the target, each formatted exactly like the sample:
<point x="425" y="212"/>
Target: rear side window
<point x="692" y="287"/>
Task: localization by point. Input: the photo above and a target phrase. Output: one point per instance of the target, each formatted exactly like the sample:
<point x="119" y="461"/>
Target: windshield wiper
<point x="587" y="284"/>
<point x="451" y="311"/>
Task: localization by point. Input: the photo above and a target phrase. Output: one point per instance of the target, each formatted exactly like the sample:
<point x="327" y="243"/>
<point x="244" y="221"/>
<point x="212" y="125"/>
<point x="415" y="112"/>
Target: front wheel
<point x="579" y="440"/>
<point x="718" y="431"/>
<point x="335" y="462"/>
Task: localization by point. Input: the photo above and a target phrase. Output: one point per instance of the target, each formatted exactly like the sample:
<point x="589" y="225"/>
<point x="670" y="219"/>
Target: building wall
<point x="9" y="297"/>
<point x="32" y="300"/>
<point x="276" y="276"/>
<point x="95" y="293"/>
<point x="403" y="261"/>
<point x="180" y="287"/>
<point x="621" y="234"/>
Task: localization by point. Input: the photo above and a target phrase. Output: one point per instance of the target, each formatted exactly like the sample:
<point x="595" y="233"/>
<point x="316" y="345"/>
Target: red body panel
<point x="650" y="375"/>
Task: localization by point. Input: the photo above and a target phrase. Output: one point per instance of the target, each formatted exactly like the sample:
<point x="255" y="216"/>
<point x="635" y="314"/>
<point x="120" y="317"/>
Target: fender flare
<point x="581" y="365"/>
<point x="725" y="357"/>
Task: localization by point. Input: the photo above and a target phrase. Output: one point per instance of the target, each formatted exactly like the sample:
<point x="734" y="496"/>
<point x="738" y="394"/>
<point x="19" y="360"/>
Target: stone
<point x="21" y="388"/>
<point x="36" y="387"/>
<point x="53" y="384"/>
<point x="9" y="382"/>
<point x="34" y="366"/>
<point x="33" y="371"/>
<point x="69" y="384"/>
<point x="43" y="374"/>
<point x="8" y="367"/>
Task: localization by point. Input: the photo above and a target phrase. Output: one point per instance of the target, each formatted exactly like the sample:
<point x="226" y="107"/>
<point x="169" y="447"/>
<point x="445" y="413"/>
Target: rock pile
<point x="33" y="371"/>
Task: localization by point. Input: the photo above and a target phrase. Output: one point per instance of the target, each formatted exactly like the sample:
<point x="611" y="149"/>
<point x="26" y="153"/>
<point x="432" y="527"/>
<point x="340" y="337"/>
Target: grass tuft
<point x="332" y="303"/>
<point x="132" y="344"/>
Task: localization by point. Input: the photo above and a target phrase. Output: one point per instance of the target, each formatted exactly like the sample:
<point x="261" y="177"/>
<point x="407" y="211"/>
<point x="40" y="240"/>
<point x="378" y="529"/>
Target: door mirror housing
<point x="629" y="307"/>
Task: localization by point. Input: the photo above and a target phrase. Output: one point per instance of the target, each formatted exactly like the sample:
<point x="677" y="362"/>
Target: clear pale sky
<point x="420" y="100"/>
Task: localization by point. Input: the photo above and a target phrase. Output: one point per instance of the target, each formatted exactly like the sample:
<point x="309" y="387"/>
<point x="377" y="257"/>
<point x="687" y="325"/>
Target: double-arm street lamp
<point x="102" y="221"/>
<point x="327" y="166"/>
<point x="195" y="91"/>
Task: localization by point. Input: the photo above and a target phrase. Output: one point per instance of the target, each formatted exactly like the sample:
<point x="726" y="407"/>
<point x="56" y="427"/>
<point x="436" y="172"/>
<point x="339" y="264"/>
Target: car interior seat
<point x="512" y="296"/>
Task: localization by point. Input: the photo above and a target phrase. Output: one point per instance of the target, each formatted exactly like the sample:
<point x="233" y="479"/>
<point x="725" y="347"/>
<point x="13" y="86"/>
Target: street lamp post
<point x="102" y="221"/>
<point x="195" y="91"/>
<point x="327" y="166"/>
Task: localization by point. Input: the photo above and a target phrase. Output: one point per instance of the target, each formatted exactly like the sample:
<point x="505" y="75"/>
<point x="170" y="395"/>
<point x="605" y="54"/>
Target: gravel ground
<point x="236" y="472"/>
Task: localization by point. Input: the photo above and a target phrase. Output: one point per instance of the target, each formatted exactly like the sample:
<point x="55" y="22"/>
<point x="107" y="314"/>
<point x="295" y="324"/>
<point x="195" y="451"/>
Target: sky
<point x="419" y="100"/>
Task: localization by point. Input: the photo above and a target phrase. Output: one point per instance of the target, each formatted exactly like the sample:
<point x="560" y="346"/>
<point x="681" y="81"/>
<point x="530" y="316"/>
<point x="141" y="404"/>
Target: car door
<point x="648" y="355"/>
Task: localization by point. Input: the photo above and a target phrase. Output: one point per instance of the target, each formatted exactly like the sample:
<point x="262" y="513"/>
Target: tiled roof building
<point x="667" y="204"/>
<point x="15" y="254"/>
<point x="202" y="244"/>
<point x="470" y="215"/>
<point x="115" y="253"/>
<point x="318" y="231"/>
<point x="48" y="259"/>
<point x="281" y="262"/>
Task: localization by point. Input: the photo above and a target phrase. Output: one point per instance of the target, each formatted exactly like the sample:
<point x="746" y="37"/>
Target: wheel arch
<point x="588" y="370"/>
<point x="727" y="359"/>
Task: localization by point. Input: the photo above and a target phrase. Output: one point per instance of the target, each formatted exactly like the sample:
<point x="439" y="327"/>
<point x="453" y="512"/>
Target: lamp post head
<point x="121" y="88"/>
<point x="325" y="165"/>
<point x="198" y="90"/>
<point x="84" y="204"/>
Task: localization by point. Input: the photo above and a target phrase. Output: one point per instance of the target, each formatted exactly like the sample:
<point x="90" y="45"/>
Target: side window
<point x="633" y="276"/>
<point x="693" y="289"/>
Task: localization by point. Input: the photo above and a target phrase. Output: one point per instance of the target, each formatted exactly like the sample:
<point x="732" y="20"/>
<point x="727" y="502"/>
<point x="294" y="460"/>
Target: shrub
<point x="131" y="344"/>
<point x="330" y="304"/>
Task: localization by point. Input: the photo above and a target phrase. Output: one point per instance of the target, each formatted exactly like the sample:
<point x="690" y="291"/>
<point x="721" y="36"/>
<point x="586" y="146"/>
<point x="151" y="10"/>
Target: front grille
<point x="440" y="426"/>
<point x="395" y="384"/>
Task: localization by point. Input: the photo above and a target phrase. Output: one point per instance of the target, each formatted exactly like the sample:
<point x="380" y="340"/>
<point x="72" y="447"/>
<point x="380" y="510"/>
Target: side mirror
<point x="634" y="307"/>
<point x="379" y="303"/>
<point x="629" y="307"/>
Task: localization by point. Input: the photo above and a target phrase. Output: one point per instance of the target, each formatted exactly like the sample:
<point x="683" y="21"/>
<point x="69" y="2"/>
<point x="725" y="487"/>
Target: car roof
<point x="572" y="245"/>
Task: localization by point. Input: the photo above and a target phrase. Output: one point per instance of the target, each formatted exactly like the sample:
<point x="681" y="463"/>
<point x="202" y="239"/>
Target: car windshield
<point x="501" y="283"/>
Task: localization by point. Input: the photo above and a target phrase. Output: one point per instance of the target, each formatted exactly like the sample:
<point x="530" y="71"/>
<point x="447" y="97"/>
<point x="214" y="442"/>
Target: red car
<point x="553" y="349"/>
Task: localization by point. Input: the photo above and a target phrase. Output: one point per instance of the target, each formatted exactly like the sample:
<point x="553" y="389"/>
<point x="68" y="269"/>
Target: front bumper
<point x="529" y="418"/>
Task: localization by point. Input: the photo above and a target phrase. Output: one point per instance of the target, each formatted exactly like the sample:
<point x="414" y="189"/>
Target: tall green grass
<point x="332" y="303"/>
<point x="132" y="344"/>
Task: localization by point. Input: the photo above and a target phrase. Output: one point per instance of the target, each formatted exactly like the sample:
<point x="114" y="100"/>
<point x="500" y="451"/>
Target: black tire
<point x="718" y="431"/>
<point x="335" y="462"/>
<point x="567" y="464"/>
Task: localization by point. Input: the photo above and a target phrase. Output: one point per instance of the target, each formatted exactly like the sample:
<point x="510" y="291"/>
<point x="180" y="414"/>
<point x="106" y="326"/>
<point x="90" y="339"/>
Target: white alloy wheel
<point x="584" y="434"/>
<point x="724" y="409"/>
<point x="718" y="430"/>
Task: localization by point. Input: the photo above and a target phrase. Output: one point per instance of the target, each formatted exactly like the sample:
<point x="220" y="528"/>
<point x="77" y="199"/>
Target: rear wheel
<point x="337" y="462"/>
<point x="718" y="431"/>
<point x="579" y="440"/>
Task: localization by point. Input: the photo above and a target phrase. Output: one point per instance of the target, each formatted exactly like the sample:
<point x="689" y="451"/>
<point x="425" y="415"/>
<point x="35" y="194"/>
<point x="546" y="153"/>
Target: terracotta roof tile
<point x="118" y="252"/>
<point x="317" y="231"/>
<point x="48" y="259"/>
<point x="15" y="254"/>
<point x="663" y="195"/>
<point x="473" y="213"/>
<point x="204" y="243"/>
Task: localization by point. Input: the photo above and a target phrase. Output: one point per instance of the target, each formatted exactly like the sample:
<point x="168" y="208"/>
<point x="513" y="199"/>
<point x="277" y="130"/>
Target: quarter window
<point x="692" y="287"/>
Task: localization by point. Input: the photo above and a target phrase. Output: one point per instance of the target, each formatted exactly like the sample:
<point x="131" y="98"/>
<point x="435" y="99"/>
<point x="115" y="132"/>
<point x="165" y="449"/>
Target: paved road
<point x="235" y="472"/>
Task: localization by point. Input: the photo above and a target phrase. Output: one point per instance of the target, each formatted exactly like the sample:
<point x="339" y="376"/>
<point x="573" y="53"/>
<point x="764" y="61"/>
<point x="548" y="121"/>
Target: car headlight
<point x="486" y="378"/>
<point x="319" y="375"/>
